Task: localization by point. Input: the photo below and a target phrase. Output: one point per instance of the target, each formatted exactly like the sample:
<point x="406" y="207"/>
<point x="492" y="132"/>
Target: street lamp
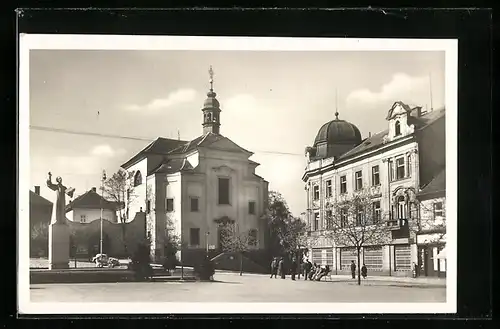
<point x="102" y="197"/>
<point x="206" y="238"/>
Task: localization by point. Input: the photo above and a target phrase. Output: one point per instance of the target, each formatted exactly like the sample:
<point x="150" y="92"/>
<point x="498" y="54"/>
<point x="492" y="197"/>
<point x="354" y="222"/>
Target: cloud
<point x="105" y="150"/>
<point x="82" y="165"/>
<point x="174" y="98"/>
<point x="402" y="87"/>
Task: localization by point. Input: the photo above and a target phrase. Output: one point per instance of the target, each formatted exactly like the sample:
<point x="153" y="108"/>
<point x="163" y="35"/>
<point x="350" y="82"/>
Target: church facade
<point x="190" y="188"/>
<point x="392" y="167"/>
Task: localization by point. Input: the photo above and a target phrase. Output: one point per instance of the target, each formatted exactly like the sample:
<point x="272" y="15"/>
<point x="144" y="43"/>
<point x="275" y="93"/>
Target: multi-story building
<point x="193" y="186"/>
<point x="391" y="166"/>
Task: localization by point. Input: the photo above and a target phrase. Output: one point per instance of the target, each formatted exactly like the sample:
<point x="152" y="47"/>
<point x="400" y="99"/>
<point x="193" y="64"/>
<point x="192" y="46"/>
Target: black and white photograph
<point x="171" y="174"/>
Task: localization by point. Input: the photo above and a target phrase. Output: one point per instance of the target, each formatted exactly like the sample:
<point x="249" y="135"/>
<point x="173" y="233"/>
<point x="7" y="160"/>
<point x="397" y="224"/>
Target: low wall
<point x="119" y="240"/>
<point x="81" y="276"/>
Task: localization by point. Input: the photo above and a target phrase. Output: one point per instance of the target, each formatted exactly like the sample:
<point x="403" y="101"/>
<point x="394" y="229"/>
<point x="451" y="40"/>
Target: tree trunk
<point x="241" y="264"/>
<point x="359" y="266"/>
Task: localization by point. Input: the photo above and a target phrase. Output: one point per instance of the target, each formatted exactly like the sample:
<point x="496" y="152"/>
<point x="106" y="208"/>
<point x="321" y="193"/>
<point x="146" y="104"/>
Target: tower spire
<point x="211" y="109"/>
<point x="336" y="106"/>
<point x="211" y="74"/>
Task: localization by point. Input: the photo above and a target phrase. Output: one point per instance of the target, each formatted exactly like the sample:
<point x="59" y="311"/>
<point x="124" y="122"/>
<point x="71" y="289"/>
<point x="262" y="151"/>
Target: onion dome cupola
<point x="211" y="109"/>
<point x="334" y="138"/>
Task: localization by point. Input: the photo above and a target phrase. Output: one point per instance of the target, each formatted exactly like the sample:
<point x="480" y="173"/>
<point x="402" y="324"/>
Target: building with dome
<point x="193" y="186"/>
<point x="394" y="167"/>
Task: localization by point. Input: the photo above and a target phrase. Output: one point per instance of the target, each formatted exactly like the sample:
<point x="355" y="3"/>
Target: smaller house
<point x="431" y="238"/>
<point x="86" y="208"/>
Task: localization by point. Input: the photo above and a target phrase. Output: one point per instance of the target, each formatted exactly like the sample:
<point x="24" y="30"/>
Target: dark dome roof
<point x="211" y="101"/>
<point x="338" y="132"/>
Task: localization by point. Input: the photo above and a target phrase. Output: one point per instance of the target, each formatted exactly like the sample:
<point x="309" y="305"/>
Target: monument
<point x="58" y="228"/>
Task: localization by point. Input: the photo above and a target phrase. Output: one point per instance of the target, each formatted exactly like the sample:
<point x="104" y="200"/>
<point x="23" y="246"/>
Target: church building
<point x="392" y="167"/>
<point x="192" y="187"/>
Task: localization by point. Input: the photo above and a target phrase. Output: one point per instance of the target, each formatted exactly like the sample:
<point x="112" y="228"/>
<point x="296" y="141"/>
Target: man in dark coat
<point x="274" y="268"/>
<point x="353" y="269"/>
<point x="293" y="270"/>
<point x="281" y="268"/>
<point x="364" y="271"/>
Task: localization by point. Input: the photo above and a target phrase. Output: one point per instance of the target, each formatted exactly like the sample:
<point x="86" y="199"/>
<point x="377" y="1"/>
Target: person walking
<point x="274" y="268"/>
<point x="353" y="269"/>
<point x="281" y="268"/>
<point x="364" y="271"/>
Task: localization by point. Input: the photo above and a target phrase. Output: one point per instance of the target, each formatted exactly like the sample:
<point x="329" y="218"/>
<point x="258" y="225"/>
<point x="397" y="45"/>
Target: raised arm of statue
<point x="51" y="185"/>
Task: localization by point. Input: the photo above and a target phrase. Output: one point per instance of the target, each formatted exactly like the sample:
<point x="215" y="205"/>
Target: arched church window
<point x="209" y="117"/>
<point x="397" y="126"/>
<point x="138" y="178"/>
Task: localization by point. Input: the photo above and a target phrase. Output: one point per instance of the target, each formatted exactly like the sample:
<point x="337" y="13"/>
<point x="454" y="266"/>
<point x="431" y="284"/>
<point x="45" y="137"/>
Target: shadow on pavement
<point x="228" y="282"/>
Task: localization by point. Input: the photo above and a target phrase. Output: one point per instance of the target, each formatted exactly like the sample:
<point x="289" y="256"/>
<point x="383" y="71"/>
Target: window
<point x="397" y="129"/>
<point x="83" y="218"/>
<point x="251" y="207"/>
<point x="252" y="237"/>
<point x="316" y="221"/>
<point x="400" y="168"/>
<point x="343" y="184"/>
<point x="224" y="190"/>
<point x="194" y="204"/>
<point x="343" y="217"/>
<point x="438" y="209"/>
<point x="329" y="219"/>
<point x="194" y="236"/>
<point x="170" y="205"/>
<point x="375" y="176"/>
<point x="359" y="216"/>
<point x="376" y="212"/>
<point x="137" y="178"/>
<point x="328" y="188"/>
<point x="401" y="208"/>
<point x="408" y="165"/>
<point x="148" y="206"/>
<point x="359" y="180"/>
<point x="316" y="192"/>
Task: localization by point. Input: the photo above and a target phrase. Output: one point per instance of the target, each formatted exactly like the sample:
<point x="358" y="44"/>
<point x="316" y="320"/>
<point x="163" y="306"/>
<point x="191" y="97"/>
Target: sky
<point x="273" y="104"/>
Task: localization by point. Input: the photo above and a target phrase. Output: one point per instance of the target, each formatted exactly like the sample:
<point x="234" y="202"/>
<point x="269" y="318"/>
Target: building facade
<point x="388" y="167"/>
<point x="190" y="188"/>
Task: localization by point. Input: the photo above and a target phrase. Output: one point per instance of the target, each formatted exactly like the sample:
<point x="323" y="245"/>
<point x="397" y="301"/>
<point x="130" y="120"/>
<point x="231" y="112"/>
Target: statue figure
<point x="59" y="212"/>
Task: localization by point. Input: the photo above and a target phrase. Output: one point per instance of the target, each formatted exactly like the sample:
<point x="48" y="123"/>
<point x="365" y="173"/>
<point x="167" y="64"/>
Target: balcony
<point x="397" y="224"/>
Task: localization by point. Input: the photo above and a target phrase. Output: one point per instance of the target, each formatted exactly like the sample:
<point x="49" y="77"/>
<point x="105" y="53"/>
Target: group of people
<point x="313" y="272"/>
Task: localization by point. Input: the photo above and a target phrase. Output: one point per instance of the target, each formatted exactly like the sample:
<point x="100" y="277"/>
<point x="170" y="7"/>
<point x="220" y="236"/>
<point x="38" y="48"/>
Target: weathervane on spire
<point x="336" y="106"/>
<point x="211" y="73"/>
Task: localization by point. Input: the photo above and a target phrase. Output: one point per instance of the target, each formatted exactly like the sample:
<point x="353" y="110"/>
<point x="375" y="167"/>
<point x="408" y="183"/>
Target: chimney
<point x="94" y="190"/>
<point x="369" y="134"/>
<point x="37" y="190"/>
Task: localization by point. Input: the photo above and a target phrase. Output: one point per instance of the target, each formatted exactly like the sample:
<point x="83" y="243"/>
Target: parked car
<point x="102" y="260"/>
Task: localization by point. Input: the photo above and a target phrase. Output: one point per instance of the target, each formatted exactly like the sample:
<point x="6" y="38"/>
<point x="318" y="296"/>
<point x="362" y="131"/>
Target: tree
<point x="119" y="188"/>
<point x="232" y="240"/>
<point x="39" y="236"/>
<point x="286" y="231"/>
<point x="355" y="223"/>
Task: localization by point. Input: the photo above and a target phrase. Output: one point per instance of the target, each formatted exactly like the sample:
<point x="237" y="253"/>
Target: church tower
<point x="211" y="109"/>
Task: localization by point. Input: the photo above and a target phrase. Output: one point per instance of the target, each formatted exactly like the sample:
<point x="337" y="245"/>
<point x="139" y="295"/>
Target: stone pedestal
<point x="58" y="246"/>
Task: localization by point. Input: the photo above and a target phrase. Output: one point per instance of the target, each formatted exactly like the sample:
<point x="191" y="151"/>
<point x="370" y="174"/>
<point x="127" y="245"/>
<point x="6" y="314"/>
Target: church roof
<point x="37" y="200"/>
<point x="436" y="186"/>
<point x="172" y="166"/>
<point x="159" y="146"/>
<point x="205" y="140"/>
<point x="91" y="200"/>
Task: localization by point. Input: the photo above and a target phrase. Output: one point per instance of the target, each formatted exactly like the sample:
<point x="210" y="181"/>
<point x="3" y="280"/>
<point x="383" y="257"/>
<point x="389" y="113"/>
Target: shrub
<point x="204" y="270"/>
<point x="141" y="262"/>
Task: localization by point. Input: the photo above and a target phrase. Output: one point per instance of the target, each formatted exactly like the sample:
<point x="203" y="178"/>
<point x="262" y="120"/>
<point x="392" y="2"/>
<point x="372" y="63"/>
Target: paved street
<point x="231" y="287"/>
